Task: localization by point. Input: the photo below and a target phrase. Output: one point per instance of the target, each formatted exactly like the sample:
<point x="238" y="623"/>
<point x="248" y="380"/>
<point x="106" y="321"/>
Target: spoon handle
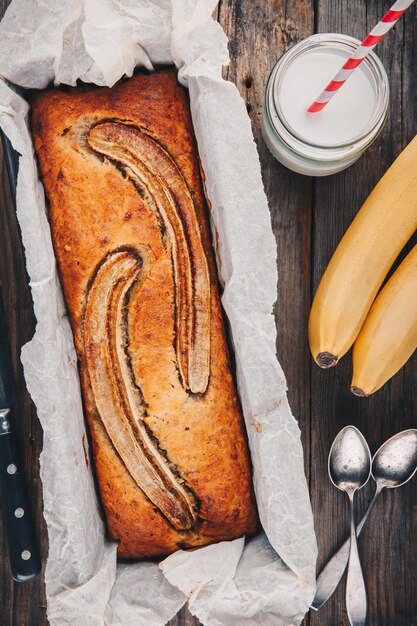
<point x="356" y="602"/>
<point x="334" y="569"/>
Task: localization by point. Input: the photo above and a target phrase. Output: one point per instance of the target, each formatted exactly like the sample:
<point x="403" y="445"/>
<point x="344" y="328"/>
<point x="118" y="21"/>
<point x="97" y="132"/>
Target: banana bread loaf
<point x="126" y="208"/>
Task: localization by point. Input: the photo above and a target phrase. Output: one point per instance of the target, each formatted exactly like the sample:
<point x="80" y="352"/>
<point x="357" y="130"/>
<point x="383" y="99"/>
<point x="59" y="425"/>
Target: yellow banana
<point x="389" y="336"/>
<point x="362" y="260"/>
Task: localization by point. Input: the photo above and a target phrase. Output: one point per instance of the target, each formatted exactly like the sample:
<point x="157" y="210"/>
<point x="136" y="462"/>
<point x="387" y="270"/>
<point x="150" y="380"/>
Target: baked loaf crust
<point x="120" y="170"/>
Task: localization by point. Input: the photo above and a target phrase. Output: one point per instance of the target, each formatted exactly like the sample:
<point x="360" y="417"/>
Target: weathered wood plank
<point x="258" y="34"/>
<point x="24" y="603"/>
<point x="388" y="568"/>
<point x="20" y="604"/>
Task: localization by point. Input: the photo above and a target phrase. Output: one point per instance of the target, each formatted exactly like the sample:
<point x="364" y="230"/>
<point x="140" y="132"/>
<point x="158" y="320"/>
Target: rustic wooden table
<point x="309" y="217"/>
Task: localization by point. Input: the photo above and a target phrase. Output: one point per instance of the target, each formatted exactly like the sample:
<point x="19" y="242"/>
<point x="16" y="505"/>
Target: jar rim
<point x="327" y="151"/>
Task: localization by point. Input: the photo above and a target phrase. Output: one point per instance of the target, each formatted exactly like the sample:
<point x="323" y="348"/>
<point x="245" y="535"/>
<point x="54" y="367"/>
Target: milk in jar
<point x="326" y="142"/>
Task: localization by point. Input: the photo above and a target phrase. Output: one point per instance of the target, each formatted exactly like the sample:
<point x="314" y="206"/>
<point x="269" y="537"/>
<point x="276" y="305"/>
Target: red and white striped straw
<point x="368" y="44"/>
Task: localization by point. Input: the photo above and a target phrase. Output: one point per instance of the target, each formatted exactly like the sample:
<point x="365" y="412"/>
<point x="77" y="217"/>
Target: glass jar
<point x="318" y="144"/>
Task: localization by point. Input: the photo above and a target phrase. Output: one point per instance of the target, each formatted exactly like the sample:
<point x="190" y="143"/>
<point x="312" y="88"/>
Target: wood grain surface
<point x="309" y="216"/>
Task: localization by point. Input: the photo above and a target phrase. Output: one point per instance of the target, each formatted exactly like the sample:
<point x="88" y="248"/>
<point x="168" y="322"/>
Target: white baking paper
<point x="267" y="580"/>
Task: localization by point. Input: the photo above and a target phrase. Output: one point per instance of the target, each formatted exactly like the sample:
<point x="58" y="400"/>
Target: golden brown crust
<point x="120" y="169"/>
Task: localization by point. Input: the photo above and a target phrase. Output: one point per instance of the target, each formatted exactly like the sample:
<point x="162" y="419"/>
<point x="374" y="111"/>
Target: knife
<point x="23" y="549"/>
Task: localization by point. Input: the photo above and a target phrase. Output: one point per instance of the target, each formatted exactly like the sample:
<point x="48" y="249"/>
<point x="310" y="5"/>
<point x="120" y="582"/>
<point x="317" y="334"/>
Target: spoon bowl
<point x="349" y="460"/>
<point x="395" y="462"/>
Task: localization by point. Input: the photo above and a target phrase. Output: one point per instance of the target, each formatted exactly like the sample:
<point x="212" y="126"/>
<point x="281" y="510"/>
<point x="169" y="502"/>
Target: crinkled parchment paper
<point x="268" y="580"/>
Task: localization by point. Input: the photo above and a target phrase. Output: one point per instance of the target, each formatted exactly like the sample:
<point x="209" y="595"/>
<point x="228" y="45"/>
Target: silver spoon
<point x="393" y="464"/>
<point x="349" y="470"/>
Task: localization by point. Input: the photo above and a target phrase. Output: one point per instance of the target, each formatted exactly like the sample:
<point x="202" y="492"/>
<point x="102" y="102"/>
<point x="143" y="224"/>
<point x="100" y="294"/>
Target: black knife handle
<point x="23" y="551"/>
